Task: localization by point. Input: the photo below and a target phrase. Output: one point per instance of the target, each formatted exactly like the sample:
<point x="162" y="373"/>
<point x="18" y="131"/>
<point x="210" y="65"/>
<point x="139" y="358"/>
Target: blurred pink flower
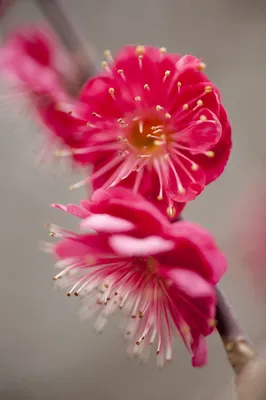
<point x="151" y="121"/>
<point x="32" y="61"/>
<point x="161" y="275"/>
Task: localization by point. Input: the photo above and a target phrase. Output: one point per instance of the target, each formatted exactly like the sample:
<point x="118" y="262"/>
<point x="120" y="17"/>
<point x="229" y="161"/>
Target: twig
<point x="64" y="29"/>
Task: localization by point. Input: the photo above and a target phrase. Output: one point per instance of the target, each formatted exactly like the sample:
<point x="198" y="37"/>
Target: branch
<point x="64" y="29"/>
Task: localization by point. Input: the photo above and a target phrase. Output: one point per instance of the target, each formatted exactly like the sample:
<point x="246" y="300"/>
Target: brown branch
<point x="236" y="343"/>
<point x="69" y="37"/>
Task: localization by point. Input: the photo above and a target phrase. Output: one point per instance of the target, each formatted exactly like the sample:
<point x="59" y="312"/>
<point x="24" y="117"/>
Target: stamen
<point x="166" y="74"/>
<point x="180" y="188"/>
<point x="171" y="211"/>
<point x="158" y="142"/>
<point x="140" y="50"/>
<point x="194" y="167"/>
<point x="163" y="50"/>
<point x="156" y="164"/>
<point x="159" y="108"/>
<point x="112" y="93"/>
<point x="209" y="154"/>
<point x="121" y="73"/>
<point x="199" y="103"/>
<point x="167" y="116"/>
<point x="139" y="175"/>
<point x="94" y="114"/>
<point x="201" y="66"/>
<point x="179" y="84"/>
<point x="108" y="55"/>
<point x="208" y="89"/>
<point x="185" y="106"/>
<point x="140" y="126"/>
<point x="105" y="65"/>
<point x="140" y="61"/>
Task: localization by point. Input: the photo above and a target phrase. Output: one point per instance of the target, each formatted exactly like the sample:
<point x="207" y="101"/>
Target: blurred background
<point x="45" y="351"/>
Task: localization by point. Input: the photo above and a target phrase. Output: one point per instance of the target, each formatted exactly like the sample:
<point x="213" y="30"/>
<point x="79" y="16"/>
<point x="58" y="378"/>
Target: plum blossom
<point x="151" y="121"/>
<point x="127" y="256"/>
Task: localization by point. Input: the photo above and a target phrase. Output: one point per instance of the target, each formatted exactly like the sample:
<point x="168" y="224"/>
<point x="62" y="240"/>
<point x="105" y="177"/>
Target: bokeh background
<point x="45" y="351"/>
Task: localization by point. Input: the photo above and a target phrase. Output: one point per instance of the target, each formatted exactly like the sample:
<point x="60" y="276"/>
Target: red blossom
<point x="33" y="61"/>
<point x="161" y="275"/>
<point x="152" y="121"/>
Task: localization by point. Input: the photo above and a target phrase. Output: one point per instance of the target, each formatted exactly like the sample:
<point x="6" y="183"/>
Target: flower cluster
<point x="153" y="132"/>
<point x="161" y="275"/>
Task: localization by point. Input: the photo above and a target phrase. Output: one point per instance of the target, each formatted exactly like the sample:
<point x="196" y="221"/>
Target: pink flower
<point x="153" y="122"/>
<point x="33" y="62"/>
<point x="161" y="275"/>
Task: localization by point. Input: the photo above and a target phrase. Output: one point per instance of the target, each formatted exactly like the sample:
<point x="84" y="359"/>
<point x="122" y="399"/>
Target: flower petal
<point x="200" y="136"/>
<point x="129" y="246"/>
<point x="188" y="282"/>
<point x="196" y="249"/>
<point x="200" y="351"/>
<point x="73" y="209"/>
<point x="106" y="223"/>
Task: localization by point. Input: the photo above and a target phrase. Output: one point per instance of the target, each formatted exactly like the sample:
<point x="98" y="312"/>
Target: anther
<point x="104" y="64"/>
<point x="208" y="89"/>
<point x="201" y="66"/>
<point x="163" y="50"/>
<point x="52" y="234"/>
<point x="140" y="50"/>
<point x="167" y="116"/>
<point x="179" y="84"/>
<point x="171" y="211"/>
<point x="106" y="286"/>
<point x="209" y="154"/>
<point x="70" y="112"/>
<point x="146" y="86"/>
<point x="160" y="197"/>
<point x="203" y="118"/>
<point x="107" y="54"/>
<point x="194" y="167"/>
<point x="68" y="294"/>
<point x="212" y="323"/>
<point x="76" y="294"/>
<point x="137" y="98"/>
<point x="112" y="92"/>
<point x="185" y="106"/>
<point x="121" y="72"/>
<point x="158" y="108"/>
<point x="140" y="60"/>
<point x="181" y="190"/>
<point x="94" y="114"/>
<point x="166" y="74"/>
<point x="199" y="103"/>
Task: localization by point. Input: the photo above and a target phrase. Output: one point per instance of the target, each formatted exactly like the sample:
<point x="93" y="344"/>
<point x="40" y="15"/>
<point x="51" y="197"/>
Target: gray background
<point x="46" y="352"/>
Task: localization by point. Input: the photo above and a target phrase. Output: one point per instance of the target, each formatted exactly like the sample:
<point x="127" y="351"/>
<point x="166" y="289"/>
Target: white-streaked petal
<point x="129" y="246"/>
<point x="106" y="223"/>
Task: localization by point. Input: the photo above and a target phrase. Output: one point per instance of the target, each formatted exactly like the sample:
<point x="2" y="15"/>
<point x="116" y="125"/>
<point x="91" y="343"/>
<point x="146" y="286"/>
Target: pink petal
<point x="200" y="135"/>
<point x="128" y="246"/>
<point x="188" y="282"/>
<point x="72" y="209"/>
<point x="196" y="245"/>
<point x="106" y="223"/>
<point x="192" y="181"/>
<point x="200" y="351"/>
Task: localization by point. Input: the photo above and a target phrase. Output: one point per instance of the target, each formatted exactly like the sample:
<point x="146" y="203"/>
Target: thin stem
<point x="236" y="343"/>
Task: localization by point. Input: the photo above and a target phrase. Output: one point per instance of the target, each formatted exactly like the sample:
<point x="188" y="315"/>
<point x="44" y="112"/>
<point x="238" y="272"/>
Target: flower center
<point x="148" y="133"/>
